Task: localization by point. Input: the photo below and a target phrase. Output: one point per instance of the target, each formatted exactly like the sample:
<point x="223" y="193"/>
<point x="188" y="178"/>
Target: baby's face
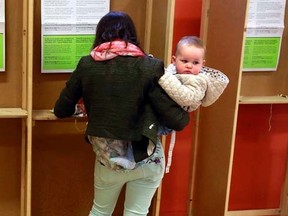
<point x="189" y="60"/>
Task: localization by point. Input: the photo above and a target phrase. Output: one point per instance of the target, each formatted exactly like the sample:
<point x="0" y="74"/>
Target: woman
<point x="124" y="103"/>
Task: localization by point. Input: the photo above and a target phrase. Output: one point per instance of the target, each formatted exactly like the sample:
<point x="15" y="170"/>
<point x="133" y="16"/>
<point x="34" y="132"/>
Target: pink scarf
<point x="106" y="51"/>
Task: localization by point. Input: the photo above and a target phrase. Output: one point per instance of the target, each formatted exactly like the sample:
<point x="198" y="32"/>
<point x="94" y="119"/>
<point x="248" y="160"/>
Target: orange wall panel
<point x="260" y="157"/>
<point x="187" y="19"/>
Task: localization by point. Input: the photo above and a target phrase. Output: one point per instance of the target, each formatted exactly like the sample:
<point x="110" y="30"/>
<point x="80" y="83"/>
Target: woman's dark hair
<point x="115" y="25"/>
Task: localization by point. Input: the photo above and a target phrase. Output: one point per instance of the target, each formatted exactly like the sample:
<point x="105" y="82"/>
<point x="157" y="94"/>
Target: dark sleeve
<point x="69" y="96"/>
<point x="169" y="112"/>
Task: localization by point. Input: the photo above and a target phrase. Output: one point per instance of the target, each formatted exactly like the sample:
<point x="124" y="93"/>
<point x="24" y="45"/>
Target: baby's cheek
<point x="195" y="71"/>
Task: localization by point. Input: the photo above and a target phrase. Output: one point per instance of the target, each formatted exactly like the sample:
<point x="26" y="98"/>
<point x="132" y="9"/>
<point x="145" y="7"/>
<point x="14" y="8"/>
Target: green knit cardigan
<point x="122" y="98"/>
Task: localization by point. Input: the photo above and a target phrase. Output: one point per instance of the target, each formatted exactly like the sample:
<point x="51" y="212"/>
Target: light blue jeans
<point x="141" y="184"/>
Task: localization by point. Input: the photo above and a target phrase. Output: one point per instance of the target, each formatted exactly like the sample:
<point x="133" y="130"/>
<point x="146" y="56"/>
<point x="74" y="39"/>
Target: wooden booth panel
<point x="63" y="166"/>
<point x="260" y="152"/>
<point x="10" y="166"/>
<point x="137" y="11"/>
<point x="161" y="26"/>
<point x="11" y="78"/>
<point x="46" y="87"/>
<point x="224" y="48"/>
<point x="269" y="83"/>
<point x="62" y="177"/>
<point x="62" y="162"/>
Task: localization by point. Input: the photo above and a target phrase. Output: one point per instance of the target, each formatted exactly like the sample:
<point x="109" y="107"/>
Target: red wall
<point x="176" y="183"/>
<point x="187" y="19"/>
<point x="260" y="156"/>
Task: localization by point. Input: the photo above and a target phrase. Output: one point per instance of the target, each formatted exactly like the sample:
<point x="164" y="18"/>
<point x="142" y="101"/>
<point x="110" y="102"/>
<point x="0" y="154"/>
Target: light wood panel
<point x="12" y="113"/>
<point x="11" y="79"/>
<point x="46" y="163"/>
<point x="161" y="29"/>
<point x="10" y="166"/>
<point x="46" y="87"/>
<point x="216" y="124"/>
<point x="52" y="191"/>
<point x="277" y="99"/>
<point x="223" y="30"/>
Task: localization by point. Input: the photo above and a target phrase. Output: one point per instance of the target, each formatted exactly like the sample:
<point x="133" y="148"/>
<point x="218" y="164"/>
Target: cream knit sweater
<point x="190" y="91"/>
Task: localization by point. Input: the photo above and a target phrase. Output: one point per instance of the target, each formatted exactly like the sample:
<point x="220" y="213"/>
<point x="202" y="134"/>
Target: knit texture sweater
<point x="190" y="91"/>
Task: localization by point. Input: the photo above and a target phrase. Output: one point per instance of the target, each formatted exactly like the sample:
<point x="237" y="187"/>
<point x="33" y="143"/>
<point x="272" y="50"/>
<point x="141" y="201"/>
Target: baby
<point x="187" y="81"/>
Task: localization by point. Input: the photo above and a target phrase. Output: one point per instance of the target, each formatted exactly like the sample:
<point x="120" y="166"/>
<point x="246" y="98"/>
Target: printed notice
<point x="2" y="35"/>
<point x="68" y="31"/>
<point x="265" y="26"/>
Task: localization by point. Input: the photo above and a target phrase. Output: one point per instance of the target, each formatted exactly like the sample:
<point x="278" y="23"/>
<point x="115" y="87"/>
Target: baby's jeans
<point x="141" y="184"/>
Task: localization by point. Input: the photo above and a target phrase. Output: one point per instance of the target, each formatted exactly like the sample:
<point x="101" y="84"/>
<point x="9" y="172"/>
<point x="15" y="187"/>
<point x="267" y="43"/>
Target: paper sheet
<point x="265" y="26"/>
<point x="68" y="31"/>
<point x="2" y="35"/>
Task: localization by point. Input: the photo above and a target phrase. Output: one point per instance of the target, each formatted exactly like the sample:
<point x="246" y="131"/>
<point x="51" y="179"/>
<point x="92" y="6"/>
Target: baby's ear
<point x="204" y="61"/>
<point x="173" y="59"/>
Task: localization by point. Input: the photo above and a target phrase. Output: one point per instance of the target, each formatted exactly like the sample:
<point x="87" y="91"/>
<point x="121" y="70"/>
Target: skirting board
<point x="257" y="212"/>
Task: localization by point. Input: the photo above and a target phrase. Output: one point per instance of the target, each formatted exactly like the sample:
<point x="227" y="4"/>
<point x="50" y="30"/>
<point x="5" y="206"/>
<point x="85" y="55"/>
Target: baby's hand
<point x="80" y="109"/>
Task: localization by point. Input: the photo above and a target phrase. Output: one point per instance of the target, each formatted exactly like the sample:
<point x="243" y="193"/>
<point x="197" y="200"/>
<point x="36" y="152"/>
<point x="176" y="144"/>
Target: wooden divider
<point x="223" y="30"/>
<point x="46" y="165"/>
<point x="62" y="162"/>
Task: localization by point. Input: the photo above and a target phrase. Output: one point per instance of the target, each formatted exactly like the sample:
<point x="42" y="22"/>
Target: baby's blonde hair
<point x="190" y="41"/>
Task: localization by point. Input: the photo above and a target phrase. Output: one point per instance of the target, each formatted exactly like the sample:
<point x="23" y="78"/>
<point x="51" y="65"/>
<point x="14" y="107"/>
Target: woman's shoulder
<point x="151" y="58"/>
<point x="86" y="59"/>
<point x="151" y="62"/>
<point x="85" y="62"/>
